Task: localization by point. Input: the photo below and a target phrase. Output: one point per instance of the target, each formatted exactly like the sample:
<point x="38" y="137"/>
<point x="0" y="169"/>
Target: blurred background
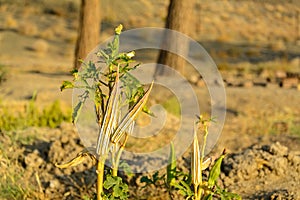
<point x="255" y="44"/>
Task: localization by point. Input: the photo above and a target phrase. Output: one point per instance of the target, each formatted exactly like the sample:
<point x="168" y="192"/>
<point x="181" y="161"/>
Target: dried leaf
<point x="206" y="163"/>
<point x="130" y="117"/>
<point x="196" y="168"/>
<point x="81" y="156"/>
<point x="110" y="119"/>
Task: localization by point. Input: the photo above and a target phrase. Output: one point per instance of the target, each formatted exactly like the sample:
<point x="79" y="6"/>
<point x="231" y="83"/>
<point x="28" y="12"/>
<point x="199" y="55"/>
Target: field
<point x="255" y="44"/>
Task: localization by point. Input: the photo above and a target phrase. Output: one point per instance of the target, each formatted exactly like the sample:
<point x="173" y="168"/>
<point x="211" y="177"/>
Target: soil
<point x="267" y="169"/>
<point x="272" y="171"/>
<point x="261" y="133"/>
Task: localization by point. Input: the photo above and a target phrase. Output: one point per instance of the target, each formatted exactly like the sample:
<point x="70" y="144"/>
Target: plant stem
<point x="201" y="159"/>
<point x="100" y="176"/>
<point x="196" y="192"/>
<point x="116" y="162"/>
<point x="115" y="171"/>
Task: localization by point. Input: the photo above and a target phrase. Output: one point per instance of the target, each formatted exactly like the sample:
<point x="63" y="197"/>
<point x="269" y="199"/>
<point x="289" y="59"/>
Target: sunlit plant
<point x="193" y="185"/>
<point x="110" y="90"/>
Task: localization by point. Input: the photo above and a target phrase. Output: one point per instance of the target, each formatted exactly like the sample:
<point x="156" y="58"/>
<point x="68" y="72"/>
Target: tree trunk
<point x="89" y="29"/>
<point x="180" y="18"/>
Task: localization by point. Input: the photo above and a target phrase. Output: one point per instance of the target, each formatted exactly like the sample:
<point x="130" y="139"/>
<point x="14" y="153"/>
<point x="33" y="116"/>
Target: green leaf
<point x="66" y="85"/>
<point x="116" y="188"/>
<point x="110" y="182"/>
<point x="117" y="191"/>
<point x="187" y="188"/>
<point x="148" y="111"/>
<point x="184" y="188"/>
<point x="208" y="197"/>
<point x="114" y="48"/>
<point x="126" y="168"/>
<point x="73" y="71"/>
<point x="76" y="111"/>
<point x="146" y="180"/>
<point x="224" y="195"/>
<point x="154" y="179"/>
<point x="215" y="172"/>
<point x="133" y="89"/>
<point x="171" y="168"/>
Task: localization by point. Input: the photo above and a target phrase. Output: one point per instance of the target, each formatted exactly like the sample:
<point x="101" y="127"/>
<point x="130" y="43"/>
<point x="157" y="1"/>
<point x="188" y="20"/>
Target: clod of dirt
<point x="263" y="172"/>
<point x="33" y="160"/>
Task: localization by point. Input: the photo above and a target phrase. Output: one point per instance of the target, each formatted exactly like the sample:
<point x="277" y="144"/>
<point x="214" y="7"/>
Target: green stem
<point x="100" y="177"/>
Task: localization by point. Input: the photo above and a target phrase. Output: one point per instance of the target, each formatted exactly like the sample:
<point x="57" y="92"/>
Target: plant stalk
<point x="200" y="190"/>
<point x="196" y="192"/>
<point x="100" y="177"/>
<point x="116" y="162"/>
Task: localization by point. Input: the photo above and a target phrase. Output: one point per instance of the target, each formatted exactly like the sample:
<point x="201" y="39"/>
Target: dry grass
<point x="47" y="33"/>
<point x="268" y="121"/>
<point x="225" y="21"/>
<point x="10" y="22"/>
<point x="40" y="46"/>
<point x="28" y="28"/>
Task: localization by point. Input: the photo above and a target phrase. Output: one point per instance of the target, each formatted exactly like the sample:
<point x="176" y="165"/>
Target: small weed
<point x="11" y="184"/>
<point x="11" y="188"/>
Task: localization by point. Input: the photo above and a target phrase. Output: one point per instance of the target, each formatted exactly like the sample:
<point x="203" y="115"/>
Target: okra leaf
<point x="66" y="85"/>
<point x="110" y="182"/>
<point x="215" y="172"/>
<point x="76" y="111"/>
<point x="208" y="197"/>
<point x="171" y="168"/>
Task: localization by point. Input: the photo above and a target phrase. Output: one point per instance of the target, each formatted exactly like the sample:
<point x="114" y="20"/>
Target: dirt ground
<point x="262" y="129"/>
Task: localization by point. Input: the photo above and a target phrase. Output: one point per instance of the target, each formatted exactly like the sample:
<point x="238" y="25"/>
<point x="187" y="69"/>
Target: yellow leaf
<point x="81" y="156"/>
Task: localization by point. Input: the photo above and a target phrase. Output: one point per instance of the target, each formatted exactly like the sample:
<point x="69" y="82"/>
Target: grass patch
<point x="276" y="122"/>
<point x="13" y="185"/>
<point x="10" y="189"/>
<point x="50" y="116"/>
<point x="295" y="129"/>
<point x="172" y="105"/>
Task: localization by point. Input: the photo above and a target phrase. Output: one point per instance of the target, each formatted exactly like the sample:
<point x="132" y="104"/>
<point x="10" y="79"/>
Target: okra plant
<point x="110" y="90"/>
<point x="193" y="185"/>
